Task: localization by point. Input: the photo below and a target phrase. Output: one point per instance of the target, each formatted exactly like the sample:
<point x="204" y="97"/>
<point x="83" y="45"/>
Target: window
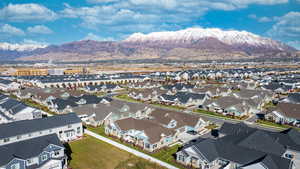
<point x="29" y="161"/>
<point x="181" y="158"/>
<point x="19" y="137"/>
<point x="56" y="153"/>
<point x="289" y="156"/>
<point x="50" y="130"/>
<point x="6" y="140"/>
<point x="29" y="135"/>
<point x="15" y="166"/>
<point x="44" y="157"/>
<point x="154" y="146"/>
<point x="78" y="130"/>
<point x="41" y="132"/>
<point x="69" y="126"/>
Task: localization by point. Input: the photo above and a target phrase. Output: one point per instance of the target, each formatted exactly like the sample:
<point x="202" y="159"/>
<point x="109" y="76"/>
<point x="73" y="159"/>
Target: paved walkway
<point x="130" y="150"/>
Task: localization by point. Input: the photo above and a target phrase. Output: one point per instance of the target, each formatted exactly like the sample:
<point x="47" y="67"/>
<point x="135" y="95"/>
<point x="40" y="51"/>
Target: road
<point x="130" y="150"/>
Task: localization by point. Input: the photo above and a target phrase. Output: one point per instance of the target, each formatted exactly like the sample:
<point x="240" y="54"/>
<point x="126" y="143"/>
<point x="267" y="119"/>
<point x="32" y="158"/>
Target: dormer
<point x="172" y="124"/>
<point x="125" y="108"/>
<point x="81" y="101"/>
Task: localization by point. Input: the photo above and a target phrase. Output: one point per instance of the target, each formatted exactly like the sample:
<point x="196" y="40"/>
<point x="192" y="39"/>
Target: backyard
<point x="165" y="154"/>
<point x="90" y="153"/>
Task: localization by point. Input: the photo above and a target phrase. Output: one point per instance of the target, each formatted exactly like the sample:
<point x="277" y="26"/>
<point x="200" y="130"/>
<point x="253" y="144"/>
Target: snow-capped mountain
<point x="187" y="44"/>
<point x="20" y="47"/>
<point x="191" y="35"/>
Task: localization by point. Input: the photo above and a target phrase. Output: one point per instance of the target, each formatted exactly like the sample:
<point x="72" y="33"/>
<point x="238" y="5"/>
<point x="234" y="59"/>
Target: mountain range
<point x="187" y="44"/>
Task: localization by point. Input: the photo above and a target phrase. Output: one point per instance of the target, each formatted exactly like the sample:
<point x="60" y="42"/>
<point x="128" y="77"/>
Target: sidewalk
<point x="130" y="150"/>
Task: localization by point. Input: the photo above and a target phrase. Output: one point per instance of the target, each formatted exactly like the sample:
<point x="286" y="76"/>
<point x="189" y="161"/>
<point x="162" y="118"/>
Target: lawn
<point x="272" y="124"/>
<point x="269" y="105"/>
<point x="220" y="115"/>
<point x="90" y="153"/>
<point x="129" y="99"/>
<point x="164" y="154"/>
<point x="211" y="126"/>
<point x="126" y="98"/>
<point x="34" y="104"/>
<point x="168" y="106"/>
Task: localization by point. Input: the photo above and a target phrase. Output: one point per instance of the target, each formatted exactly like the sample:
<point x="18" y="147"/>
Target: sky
<point x="62" y="21"/>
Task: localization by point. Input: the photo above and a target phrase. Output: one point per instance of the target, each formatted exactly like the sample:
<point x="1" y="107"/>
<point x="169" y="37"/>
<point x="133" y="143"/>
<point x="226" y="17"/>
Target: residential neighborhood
<point x="213" y="119"/>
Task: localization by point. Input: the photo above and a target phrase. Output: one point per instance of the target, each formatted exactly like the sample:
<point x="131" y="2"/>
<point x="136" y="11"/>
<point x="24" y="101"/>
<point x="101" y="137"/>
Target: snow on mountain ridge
<point x="231" y="37"/>
<point x="20" y="47"/>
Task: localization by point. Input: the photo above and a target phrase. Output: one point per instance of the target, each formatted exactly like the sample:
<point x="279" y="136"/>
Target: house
<point x="14" y="110"/>
<point x="242" y="147"/>
<point x="285" y="113"/>
<point x="183" y="99"/>
<point x="75" y="81"/>
<point x="102" y="88"/>
<point x="144" y="85"/>
<point x="178" y="87"/>
<point x="277" y="88"/>
<point x="62" y="105"/>
<point x="231" y="105"/>
<point x="161" y="128"/>
<point x="213" y="91"/>
<point x="8" y="85"/>
<point x="44" y="95"/>
<point x="263" y="95"/>
<point x="292" y="98"/>
<point x="151" y="94"/>
<point x="45" y="152"/>
<point x="106" y="112"/>
<point x="67" y="127"/>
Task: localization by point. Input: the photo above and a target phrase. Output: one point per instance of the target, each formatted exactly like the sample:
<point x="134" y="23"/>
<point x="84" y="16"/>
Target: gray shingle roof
<point x="27" y="149"/>
<point x="29" y="126"/>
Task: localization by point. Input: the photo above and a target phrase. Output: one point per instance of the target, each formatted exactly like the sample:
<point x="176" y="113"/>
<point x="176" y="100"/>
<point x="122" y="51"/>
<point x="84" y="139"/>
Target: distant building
<point x="30" y="72"/>
<point x="8" y="85"/>
<point x="73" y="71"/>
<point x="56" y="71"/>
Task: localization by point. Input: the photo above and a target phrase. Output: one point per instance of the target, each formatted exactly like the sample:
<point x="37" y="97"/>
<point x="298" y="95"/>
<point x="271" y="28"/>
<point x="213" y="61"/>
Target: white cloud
<point x="263" y="18"/>
<point x="25" y="12"/>
<point x="101" y="1"/>
<point x="8" y="30"/>
<point x="287" y="28"/>
<point x="91" y="36"/>
<point x="128" y="13"/>
<point x="39" y="29"/>
<point x="295" y="44"/>
<point x="33" y="42"/>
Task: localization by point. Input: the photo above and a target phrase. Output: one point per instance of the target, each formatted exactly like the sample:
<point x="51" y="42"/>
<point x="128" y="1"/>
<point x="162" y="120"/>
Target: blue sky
<point x="60" y="21"/>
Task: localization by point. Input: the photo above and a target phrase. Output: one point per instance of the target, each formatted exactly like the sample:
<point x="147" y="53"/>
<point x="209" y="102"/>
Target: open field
<point x="90" y="153"/>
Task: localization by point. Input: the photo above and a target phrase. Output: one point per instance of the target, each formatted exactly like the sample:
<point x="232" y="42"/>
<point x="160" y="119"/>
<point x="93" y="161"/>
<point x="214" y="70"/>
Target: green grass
<point x="169" y="106"/>
<point x="129" y="99"/>
<point x="276" y="125"/>
<point x="269" y="105"/>
<point x="34" y="104"/>
<point x="91" y="153"/>
<point x="211" y="113"/>
<point x="164" y="154"/>
<point x="126" y="98"/>
<point x="220" y="115"/>
<point x="167" y="154"/>
<point x="211" y="126"/>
